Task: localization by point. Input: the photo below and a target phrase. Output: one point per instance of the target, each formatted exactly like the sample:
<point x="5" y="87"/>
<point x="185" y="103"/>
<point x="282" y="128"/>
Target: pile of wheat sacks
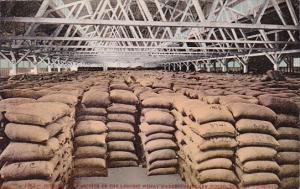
<point x="91" y="132"/>
<point x="287" y="124"/>
<point x="206" y="137"/>
<point x="122" y="121"/>
<point x="38" y="152"/>
<point x="157" y="135"/>
<point x="255" y="156"/>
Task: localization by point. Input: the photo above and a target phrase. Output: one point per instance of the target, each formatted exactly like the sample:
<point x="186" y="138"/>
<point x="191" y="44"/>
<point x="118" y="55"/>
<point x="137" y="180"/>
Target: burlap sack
<point x="215" y="163"/>
<point x="90" y="152"/>
<point x="28" y="170"/>
<point x="224" y="100"/>
<point x="120" y="136"/>
<point x="154" y="128"/>
<point x="125" y="118"/>
<point x="26" y="133"/>
<point x="16" y="151"/>
<point x="279" y="105"/>
<point x="285" y="120"/>
<point x="162" y="164"/>
<point x="288" y="157"/>
<point x="120" y="127"/>
<point x="156" y="136"/>
<point x="289" y="132"/>
<point x="216" y="175"/>
<point x="121" y="146"/>
<point x="160" y="144"/>
<point x="91" y="140"/>
<point x="290" y="182"/>
<point x="39" y="113"/>
<point x="259" y="166"/>
<point x="91" y="117"/>
<point x="120" y="86"/>
<point x="160" y="84"/>
<point x="63" y="98"/>
<point x="218" y="143"/>
<point x="56" y="127"/>
<point x="251" y="111"/>
<point x="12" y="102"/>
<point x="163" y="154"/>
<point x="214" y="129"/>
<point x="259" y="179"/>
<point x="92" y="111"/>
<point x="159" y="117"/>
<point x="157" y="102"/>
<point x="257" y="139"/>
<point x="256" y="126"/>
<point x="90" y="172"/>
<point x="289" y="170"/>
<point x="122" y="156"/>
<point x="90" y="162"/>
<point x="128" y="163"/>
<point x="122" y="108"/>
<point x="90" y="127"/>
<point x="200" y="156"/>
<point x="211" y="112"/>
<point x="28" y="184"/>
<point x="255" y="153"/>
<point x="163" y="171"/>
<point x="145" y="110"/>
<point x="123" y="97"/>
<point x="95" y="98"/>
<point x="289" y="145"/>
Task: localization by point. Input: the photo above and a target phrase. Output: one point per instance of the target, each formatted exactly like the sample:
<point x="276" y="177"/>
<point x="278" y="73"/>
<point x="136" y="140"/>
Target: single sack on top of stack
<point x="121" y="125"/>
<point x="36" y="151"/>
<point x="94" y="103"/>
<point x="287" y="124"/>
<point x="257" y="149"/>
<point x="157" y="136"/>
<point x="91" y="149"/>
<point x="209" y="138"/>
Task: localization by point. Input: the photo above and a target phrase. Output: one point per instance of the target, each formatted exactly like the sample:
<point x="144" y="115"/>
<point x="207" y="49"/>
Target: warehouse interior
<point x="178" y="94"/>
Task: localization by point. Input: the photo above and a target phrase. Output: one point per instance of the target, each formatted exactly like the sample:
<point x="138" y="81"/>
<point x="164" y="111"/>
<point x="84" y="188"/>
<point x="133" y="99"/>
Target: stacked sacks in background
<point x="122" y="126"/>
<point x="157" y="136"/>
<point x="94" y="103"/>
<point x="91" y="133"/>
<point x="161" y="86"/>
<point x="207" y="141"/>
<point x="255" y="157"/>
<point x="36" y="154"/>
<point x="287" y="124"/>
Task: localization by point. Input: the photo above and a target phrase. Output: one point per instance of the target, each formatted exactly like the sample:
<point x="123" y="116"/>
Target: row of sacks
<point x="287" y="125"/>
<point x="91" y="132"/>
<point x="157" y="135"/>
<point x="257" y="162"/>
<point x="122" y="115"/>
<point x="206" y="144"/>
<point x="40" y="148"/>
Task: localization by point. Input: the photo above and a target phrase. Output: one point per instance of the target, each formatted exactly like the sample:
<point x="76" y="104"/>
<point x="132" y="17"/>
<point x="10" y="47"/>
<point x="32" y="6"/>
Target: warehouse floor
<point x="130" y="178"/>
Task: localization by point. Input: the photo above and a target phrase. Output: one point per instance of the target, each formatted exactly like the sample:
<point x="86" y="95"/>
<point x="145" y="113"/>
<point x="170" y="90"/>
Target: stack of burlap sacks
<point x="38" y="154"/>
<point x="121" y="124"/>
<point x="206" y="138"/>
<point x="91" y="133"/>
<point x="157" y="135"/>
<point x="256" y="165"/>
<point x="287" y="124"/>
